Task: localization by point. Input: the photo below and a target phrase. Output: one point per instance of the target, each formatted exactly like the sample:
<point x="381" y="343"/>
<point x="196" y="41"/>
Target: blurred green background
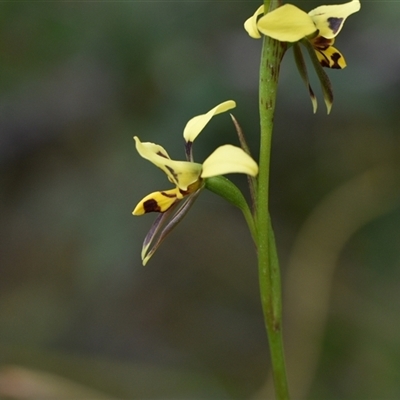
<point x="79" y="315"/>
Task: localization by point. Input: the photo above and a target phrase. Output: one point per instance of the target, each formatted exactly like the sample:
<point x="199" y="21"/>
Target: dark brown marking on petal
<point x="193" y="187"/>
<point x="170" y="196"/>
<point x="335" y="23"/>
<point x="325" y="62"/>
<point x="161" y="154"/>
<point x="184" y="192"/>
<point x="321" y="43"/>
<point x="188" y="150"/>
<point x="151" y="205"/>
<point x="173" y="173"/>
<point x="335" y="57"/>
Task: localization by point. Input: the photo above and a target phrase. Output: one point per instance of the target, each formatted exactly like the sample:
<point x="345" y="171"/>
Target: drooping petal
<point x="329" y="56"/>
<point x="197" y="124"/>
<point x="329" y="20"/>
<point x="287" y="24"/>
<point x="181" y="173"/>
<point x="326" y="85"/>
<point x="250" y="24"/>
<point x="158" y="201"/>
<point x="301" y="66"/>
<point x="155" y="228"/>
<point x="160" y="221"/>
<point x="229" y="159"/>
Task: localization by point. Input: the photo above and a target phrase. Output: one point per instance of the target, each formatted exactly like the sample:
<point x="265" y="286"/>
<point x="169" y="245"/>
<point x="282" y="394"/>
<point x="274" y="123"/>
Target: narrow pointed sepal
<point x="301" y="66"/>
<point x="154" y="229"/>
<point x="243" y="144"/>
<point x="326" y="85"/>
<point x="197" y="124"/>
<point x="242" y="139"/>
<point x="162" y="227"/>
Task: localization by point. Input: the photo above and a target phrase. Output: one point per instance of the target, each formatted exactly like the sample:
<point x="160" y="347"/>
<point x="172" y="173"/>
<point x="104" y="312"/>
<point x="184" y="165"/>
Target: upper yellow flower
<point x="290" y="24"/>
<point x="187" y="176"/>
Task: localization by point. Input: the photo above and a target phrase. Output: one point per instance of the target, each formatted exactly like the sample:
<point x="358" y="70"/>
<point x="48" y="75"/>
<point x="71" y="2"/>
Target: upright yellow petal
<point x="147" y="149"/>
<point x="229" y="159"/>
<point x="250" y="24"/>
<point x="329" y="20"/>
<point x="197" y="124"/>
<point x="287" y="24"/>
<point x="181" y="173"/>
<point x="157" y="201"/>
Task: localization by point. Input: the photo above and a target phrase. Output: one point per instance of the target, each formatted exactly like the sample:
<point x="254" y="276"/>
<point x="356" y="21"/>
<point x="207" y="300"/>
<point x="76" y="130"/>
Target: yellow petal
<point x="229" y="159"/>
<point x="157" y="201"/>
<point x="330" y="58"/>
<point x="181" y="173"/>
<point x="147" y="148"/>
<point x="197" y="124"/>
<point x="251" y="23"/>
<point x="329" y="20"/>
<point x="287" y="24"/>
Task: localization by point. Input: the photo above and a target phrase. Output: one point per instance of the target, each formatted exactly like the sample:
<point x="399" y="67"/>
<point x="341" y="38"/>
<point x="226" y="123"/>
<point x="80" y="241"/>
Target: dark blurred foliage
<point x="81" y="318"/>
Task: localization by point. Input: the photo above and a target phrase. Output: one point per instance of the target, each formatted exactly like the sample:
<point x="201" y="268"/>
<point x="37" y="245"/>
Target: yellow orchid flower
<point x="290" y="24"/>
<point x="316" y="30"/>
<point x="187" y="176"/>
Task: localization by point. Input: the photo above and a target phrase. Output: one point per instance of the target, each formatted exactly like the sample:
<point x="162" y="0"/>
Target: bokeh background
<point x="79" y="315"/>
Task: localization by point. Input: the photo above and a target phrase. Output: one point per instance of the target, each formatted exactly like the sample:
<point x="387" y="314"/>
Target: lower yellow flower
<point x="187" y="176"/>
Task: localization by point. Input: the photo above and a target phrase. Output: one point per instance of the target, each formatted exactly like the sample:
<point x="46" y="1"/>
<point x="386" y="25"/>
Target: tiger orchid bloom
<point x="321" y="25"/>
<point x="187" y="176"/>
<point x="319" y="28"/>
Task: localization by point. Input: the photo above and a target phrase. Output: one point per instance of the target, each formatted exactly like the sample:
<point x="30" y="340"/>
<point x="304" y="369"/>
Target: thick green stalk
<point x="269" y="274"/>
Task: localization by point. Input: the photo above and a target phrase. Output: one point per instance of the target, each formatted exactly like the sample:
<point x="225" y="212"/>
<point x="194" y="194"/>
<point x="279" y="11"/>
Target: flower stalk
<point x="269" y="274"/>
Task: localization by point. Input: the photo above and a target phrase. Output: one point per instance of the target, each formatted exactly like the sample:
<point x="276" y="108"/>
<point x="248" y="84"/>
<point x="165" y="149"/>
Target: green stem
<point x="269" y="275"/>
